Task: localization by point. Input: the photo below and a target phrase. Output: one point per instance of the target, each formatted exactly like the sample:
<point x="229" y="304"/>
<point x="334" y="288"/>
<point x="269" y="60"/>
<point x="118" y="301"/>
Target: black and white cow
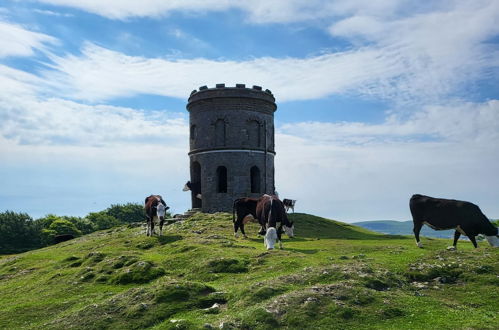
<point x="289" y="204"/>
<point x="155" y="208"/>
<point x="441" y="214"/>
<point x="273" y="218"/>
<point x="195" y="189"/>
<point x="243" y="207"/>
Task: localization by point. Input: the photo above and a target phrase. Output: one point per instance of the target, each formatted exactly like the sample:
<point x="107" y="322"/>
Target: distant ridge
<point x="392" y="227"/>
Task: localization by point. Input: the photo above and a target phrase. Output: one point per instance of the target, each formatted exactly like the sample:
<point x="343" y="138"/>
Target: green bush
<point x="62" y="227"/>
<point x="18" y="232"/>
<point x="101" y="220"/>
<point x="126" y="213"/>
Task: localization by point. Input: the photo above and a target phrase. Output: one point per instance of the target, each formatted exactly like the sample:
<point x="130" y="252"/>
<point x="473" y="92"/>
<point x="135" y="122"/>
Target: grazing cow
<point x="441" y="214"/>
<point x="63" y="238"/>
<point x="289" y="204"/>
<point x="272" y="217"/>
<point x="243" y="207"/>
<point x="195" y="189"/>
<point x="155" y="211"/>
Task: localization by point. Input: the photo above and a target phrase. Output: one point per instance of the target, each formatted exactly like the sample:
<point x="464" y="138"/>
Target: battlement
<point x="240" y="90"/>
<point x="238" y="86"/>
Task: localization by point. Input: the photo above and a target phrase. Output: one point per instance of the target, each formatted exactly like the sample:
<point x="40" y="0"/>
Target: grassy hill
<point x="332" y="275"/>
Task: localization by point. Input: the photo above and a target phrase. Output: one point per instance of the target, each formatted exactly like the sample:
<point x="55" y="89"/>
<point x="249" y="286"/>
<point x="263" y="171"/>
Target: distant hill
<point x="402" y="228"/>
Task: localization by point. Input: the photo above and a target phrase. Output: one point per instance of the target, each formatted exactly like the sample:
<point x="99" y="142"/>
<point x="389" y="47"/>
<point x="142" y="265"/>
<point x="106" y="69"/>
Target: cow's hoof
<point x="245" y="236"/>
<point x="270" y="248"/>
<point x="236" y="235"/>
<point x="451" y="248"/>
<point x="419" y="244"/>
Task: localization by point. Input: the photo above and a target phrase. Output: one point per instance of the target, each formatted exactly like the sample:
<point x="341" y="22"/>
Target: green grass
<point x="330" y="276"/>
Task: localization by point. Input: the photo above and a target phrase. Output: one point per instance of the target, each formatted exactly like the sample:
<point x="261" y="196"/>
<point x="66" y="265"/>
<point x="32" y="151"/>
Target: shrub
<point x="126" y="213"/>
<point x="18" y="232"/>
<point x="101" y="220"/>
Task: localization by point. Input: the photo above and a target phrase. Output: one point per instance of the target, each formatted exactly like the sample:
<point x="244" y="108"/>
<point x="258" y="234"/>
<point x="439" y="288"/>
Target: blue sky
<point x="377" y="100"/>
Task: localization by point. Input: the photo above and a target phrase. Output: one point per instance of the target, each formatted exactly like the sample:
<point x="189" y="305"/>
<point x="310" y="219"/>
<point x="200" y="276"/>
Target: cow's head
<point x="188" y="186"/>
<point x="270" y="238"/>
<point x="161" y="210"/>
<point x="494" y="238"/>
<point x="289" y="230"/>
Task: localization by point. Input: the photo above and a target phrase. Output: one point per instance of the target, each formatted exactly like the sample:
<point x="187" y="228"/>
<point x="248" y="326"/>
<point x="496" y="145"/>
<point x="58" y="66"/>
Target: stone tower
<point x="231" y="144"/>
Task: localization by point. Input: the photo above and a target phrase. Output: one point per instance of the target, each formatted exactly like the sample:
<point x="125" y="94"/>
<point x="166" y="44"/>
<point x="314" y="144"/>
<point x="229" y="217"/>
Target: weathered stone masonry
<point x="231" y="144"/>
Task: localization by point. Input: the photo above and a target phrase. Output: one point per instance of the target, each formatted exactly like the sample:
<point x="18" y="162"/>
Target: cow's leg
<point x="152" y="226"/>
<point x="473" y="240"/>
<point x="148" y="225"/>
<point x="417" y="228"/>
<point x="236" y="226"/>
<point x="242" y="229"/>
<point x="161" y="222"/>
<point x="279" y="235"/>
<point x="457" y="234"/>
<point x="470" y="233"/>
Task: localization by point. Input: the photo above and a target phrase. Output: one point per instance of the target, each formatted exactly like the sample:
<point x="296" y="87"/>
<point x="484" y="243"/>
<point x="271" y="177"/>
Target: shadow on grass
<point x="304" y="251"/>
<point x="169" y="239"/>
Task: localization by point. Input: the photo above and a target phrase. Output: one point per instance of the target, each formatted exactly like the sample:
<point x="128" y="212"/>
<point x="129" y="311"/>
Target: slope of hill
<point x="332" y="275"/>
<point x="402" y="228"/>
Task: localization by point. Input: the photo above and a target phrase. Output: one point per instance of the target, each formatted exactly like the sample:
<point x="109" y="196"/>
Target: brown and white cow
<point x="273" y="218"/>
<point x="155" y="208"/>
<point x="441" y="214"/>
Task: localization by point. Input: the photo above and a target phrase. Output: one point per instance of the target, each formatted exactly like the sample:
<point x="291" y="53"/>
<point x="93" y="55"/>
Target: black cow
<point x="155" y="208"/>
<point x="243" y="207"/>
<point x="272" y="217"/>
<point x="441" y="214"/>
<point x="195" y="188"/>
<point x="63" y="238"/>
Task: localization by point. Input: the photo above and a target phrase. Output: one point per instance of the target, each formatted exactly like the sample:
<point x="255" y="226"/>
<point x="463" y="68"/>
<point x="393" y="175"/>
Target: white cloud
<point x="354" y="171"/>
<point x="101" y="74"/>
<point x="70" y="158"/>
<point x="257" y="11"/>
<point x="15" y="40"/>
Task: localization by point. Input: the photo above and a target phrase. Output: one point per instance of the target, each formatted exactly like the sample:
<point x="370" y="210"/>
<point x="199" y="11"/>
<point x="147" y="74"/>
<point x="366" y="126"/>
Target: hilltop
<point x="197" y="275"/>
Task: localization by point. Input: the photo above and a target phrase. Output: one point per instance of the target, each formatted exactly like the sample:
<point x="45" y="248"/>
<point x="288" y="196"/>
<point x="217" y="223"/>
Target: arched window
<point x="220" y="132"/>
<point x="193" y="132"/>
<point x="221" y="179"/>
<point x="255" y="179"/>
<point x="254" y="138"/>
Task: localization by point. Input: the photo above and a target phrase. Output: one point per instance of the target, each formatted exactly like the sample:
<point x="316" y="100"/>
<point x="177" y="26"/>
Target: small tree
<point x="130" y="212"/>
<point x="62" y="226"/>
<point x="101" y="220"/>
<point x="18" y="232"/>
<point x="83" y="225"/>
